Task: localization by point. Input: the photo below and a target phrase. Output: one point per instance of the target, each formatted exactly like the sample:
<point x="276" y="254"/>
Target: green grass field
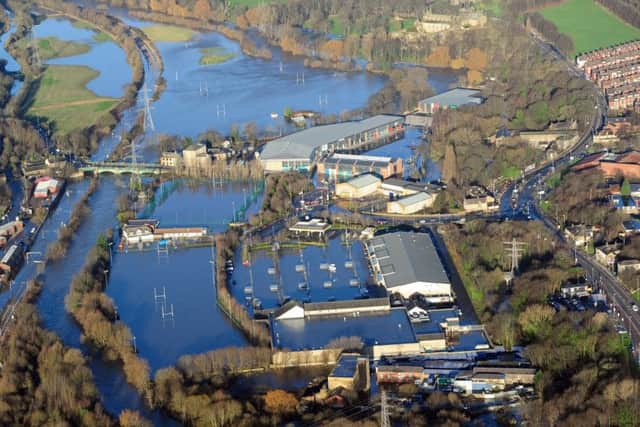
<point x="589" y="25"/>
<point x="53" y="47"/>
<point x="214" y="55"/>
<point x="168" y="33"/>
<point x="64" y="99"/>
<point x="98" y="36"/>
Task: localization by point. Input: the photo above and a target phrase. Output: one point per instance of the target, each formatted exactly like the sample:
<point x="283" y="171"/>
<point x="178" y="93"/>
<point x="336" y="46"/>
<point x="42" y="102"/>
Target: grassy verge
<point x="511" y="172"/>
<point x="63" y="98"/>
<point x="168" y="33"/>
<point x="101" y="37"/>
<point x="589" y="25"/>
<point x="476" y="294"/>
<point x="214" y="55"/>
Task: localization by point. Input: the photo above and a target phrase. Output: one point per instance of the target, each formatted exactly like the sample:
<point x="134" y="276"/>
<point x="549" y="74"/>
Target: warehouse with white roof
<point x="358" y="187"/>
<point x="300" y="150"/>
<point x="411" y="204"/>
<point x="408" y="263"/>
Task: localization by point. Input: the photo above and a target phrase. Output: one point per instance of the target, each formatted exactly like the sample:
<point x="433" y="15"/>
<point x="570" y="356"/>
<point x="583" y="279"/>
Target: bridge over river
<point x="123" y="168"/>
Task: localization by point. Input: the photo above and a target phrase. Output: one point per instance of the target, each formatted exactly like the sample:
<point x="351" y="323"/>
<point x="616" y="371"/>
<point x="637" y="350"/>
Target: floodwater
<point x="406" y="149"/>
<point x="242" y="90"/>
<point x="322" y="284"/>
<point x="205" y="204"/>
<point x="147" y="284"/>
<point x="246" y="89"/>
<point x="12" y="64"/>
<point x="106" y="57"/>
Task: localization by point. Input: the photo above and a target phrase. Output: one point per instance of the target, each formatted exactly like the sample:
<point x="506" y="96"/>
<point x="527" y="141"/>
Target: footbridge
<point x="123" y="168"/>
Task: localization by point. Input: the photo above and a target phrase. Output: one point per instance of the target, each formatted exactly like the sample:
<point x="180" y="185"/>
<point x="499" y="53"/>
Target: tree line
<point x="66" y="232"/>
<point x="586" y="369"/>
<point x="550" y="32"/>
<point x="627" y="10"/>
<point x="44" y="382"/>
<point x="95" y="312"/>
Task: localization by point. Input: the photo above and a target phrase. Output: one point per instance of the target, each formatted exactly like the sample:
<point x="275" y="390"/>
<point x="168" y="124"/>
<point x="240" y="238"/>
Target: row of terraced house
<point x="616" y="70"/>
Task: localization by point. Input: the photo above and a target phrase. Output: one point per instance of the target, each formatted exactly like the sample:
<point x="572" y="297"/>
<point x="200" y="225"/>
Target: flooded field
<point x="106" y="57"/>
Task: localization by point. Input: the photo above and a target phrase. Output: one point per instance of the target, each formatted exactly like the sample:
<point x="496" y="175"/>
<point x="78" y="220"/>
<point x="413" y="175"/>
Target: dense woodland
<point x="586" y="368"/>
<point x="43" y="382"/>
<point x="627" y="10"/>
<point x="530" y="92"/>
<point x="583" y="198"/>
<point x="550" y="32"/>
<point x="278" y="195"/>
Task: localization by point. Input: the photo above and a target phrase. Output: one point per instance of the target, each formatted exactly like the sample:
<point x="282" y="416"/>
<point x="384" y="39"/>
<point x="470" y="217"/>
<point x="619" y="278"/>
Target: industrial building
<point x="351" y="373"/>
<point x="11" y="262"/>
<point x="383" y="330"/>
<point x="147" y="231"/>
<point x="625" y="164"/>
<point x="301" y="150"/>
<point x="408" y="263"/>
<point x="9" y="230"/>
<point x="296" y="310"/>
<point x="46" y="187"/>
<point x="358" y="187"/>
<point x="394" y="187"/>
<point x="339" y="167"/>
<point x="411" y="204"/>
<point x="450" y="99"/>
<point x="310" y="227"/>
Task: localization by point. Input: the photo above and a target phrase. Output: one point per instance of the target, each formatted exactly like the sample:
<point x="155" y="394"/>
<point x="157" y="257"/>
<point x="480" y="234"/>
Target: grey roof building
<point x="408" y="263"/>
<point x="453" y="98"/>
<point x="300" y="149"/>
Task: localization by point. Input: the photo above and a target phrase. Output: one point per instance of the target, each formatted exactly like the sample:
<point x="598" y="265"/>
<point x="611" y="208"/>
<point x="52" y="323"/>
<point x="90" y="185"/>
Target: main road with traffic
<point x="527" y="191"/>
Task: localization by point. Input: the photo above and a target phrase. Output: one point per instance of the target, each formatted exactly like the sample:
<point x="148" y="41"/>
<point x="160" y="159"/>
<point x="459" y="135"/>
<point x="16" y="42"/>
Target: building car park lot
<point x="414" y="282"/>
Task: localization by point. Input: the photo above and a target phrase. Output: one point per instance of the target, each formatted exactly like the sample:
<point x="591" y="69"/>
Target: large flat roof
<point x="406" y="257"/>
<point x="356" y="159"/>
<point x="413" y="199"/>
<point x="346" y="366"/>
<point x="363" y="180"/>
<point x="300" y="145"/>
<point x="455" y="97"/>
<point x="387" y="327"/>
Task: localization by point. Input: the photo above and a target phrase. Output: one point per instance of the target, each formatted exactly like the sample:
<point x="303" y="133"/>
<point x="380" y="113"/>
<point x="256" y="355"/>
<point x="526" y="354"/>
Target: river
<point x="249" y="89"/>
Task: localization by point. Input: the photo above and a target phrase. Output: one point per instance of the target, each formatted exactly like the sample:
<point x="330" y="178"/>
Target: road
<point x="618" y="296"/>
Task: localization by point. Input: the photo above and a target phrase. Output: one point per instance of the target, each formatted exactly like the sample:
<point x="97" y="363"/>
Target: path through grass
<point x="63" y="98"/>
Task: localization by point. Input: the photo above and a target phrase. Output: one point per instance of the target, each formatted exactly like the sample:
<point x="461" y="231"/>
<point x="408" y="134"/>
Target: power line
<point x="384" y="409"/>
<point x="514" y="249"/>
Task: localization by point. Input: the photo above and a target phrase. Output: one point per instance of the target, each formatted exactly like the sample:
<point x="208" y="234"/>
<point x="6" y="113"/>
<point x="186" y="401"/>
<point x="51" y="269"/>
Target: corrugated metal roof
<point x="411" y="257"/>
<point x="300" y="145"/>
<point x="363" y="180"/>
<point x="455" y="97"/>
<point x="413" y="199"/>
